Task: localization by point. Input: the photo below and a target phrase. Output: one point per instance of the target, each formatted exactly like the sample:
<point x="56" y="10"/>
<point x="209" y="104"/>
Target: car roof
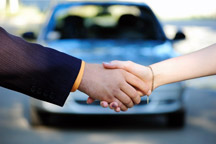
<point x="106" y="1"/>
<point x="102" y="2"/>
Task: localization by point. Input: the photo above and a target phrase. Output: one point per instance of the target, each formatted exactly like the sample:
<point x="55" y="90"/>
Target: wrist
<point x="82" y="87"/>
<point x="79" y="77"/>
<point x="151" y="73"/>
<point x="157" y="78"/>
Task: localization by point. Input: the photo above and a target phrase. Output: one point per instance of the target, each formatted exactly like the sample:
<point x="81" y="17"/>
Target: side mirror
<point x="179" y="36"/>
<point x="29" y="36"/>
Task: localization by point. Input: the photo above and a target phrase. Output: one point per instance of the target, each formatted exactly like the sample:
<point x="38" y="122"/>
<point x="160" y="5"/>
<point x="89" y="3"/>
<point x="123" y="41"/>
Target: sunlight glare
<point x="14" y="6"/>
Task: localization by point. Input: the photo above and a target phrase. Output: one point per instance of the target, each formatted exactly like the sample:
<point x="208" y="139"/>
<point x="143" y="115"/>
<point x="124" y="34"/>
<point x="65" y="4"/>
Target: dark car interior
<point x="126" y="26"/>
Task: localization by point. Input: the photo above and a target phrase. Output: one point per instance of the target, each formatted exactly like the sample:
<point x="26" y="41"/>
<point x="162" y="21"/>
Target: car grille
<point x="97" y="103"/>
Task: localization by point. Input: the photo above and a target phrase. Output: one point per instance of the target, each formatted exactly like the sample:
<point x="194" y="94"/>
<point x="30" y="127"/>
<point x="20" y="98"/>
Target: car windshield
<point x="105" y="22"/>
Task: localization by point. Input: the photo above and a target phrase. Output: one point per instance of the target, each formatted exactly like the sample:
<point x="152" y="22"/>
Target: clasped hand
<point x="118" y="84"/>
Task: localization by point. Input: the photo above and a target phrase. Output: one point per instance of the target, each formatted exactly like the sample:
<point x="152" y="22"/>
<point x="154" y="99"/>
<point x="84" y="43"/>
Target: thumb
<point x="90" y="100"/>
<point x="108" y="65"/>
<point x="114" y="64"/>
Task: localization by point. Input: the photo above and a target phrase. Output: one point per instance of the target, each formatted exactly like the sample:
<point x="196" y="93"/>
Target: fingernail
<point x="102" y="104"/>
<point x="149" y="92"/>
<point x="114" y="105"/>
<point x="106" y="62"/>
<point x="109" y="63"/>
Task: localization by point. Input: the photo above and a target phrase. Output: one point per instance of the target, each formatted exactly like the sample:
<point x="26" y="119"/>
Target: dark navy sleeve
<point x="37" y="71"/>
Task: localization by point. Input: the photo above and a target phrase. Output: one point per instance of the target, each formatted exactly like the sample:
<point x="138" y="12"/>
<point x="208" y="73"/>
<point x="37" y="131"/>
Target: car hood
<point x="97" y="51"/>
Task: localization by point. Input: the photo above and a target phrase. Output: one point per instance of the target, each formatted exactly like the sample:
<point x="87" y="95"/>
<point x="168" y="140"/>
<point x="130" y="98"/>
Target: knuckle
<point x="128" y="102"/>
<point x="130" y="106"/>
<point x="134" y="95"/>
<point x="121" y="83"/>
<point x="129" y="63"/>
<point x="119" y="104"/>
<point x="110" y="98"/>
<point x="115" y="92"/>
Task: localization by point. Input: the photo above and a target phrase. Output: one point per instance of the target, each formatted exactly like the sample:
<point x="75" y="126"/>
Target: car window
<point x="105" y="22"/>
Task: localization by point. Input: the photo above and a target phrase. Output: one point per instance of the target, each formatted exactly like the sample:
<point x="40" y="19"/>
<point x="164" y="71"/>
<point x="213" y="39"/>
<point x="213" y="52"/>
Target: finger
<point x="110" y="107"/>
<point x="104" y="104"/>
<point x="124" y="98"/>
<point x="118" y="109"/>
<point x="131" y="92"/>
<point x="126" y="65"/>
<point x="136" y="82"/>
<point x="90" y="100"/>
<point x="121" y="106"/>
<point x="117" y="106"/>
<point x="114" y="105"/>
<point x="140" y="93"/>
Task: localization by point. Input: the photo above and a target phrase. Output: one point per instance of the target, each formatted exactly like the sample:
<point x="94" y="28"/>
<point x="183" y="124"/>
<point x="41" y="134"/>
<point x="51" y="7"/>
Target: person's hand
<point x="140" y="71"/>
<point x="114" y="85"/>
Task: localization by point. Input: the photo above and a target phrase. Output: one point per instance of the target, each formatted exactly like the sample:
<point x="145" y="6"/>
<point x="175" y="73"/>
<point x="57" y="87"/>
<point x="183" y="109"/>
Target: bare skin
<point x="112" y="85"/>
<point x="194" y="65"/>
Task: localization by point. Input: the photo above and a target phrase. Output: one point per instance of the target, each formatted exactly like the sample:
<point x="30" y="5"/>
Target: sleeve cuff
<point x="79" y="77"/>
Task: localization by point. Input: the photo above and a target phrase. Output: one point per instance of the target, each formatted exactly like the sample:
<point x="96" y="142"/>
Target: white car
<point x="103" y="31"/>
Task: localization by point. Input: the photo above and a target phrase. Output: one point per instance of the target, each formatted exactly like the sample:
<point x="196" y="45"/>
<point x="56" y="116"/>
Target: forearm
<point x="197" y="64"/>
<point x="37" y="71"/>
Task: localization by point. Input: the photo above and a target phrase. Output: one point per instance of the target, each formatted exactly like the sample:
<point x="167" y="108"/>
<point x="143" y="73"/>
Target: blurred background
<point x="196" y="19"/>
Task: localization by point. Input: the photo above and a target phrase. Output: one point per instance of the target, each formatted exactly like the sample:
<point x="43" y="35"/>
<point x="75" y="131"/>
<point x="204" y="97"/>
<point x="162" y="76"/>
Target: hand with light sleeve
<point x="194" y="65"/>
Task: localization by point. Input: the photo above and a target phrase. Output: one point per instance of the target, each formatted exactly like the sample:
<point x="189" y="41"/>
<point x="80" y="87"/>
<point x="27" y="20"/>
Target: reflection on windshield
<point x="105" y="22"/>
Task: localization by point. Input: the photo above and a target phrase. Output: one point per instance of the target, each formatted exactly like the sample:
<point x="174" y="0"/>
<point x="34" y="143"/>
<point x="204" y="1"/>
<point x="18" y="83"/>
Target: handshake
<point x="118" y="84"/>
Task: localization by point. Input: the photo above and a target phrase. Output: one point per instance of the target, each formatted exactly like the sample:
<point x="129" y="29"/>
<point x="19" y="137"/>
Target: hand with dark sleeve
<point x="37" y="71"/>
